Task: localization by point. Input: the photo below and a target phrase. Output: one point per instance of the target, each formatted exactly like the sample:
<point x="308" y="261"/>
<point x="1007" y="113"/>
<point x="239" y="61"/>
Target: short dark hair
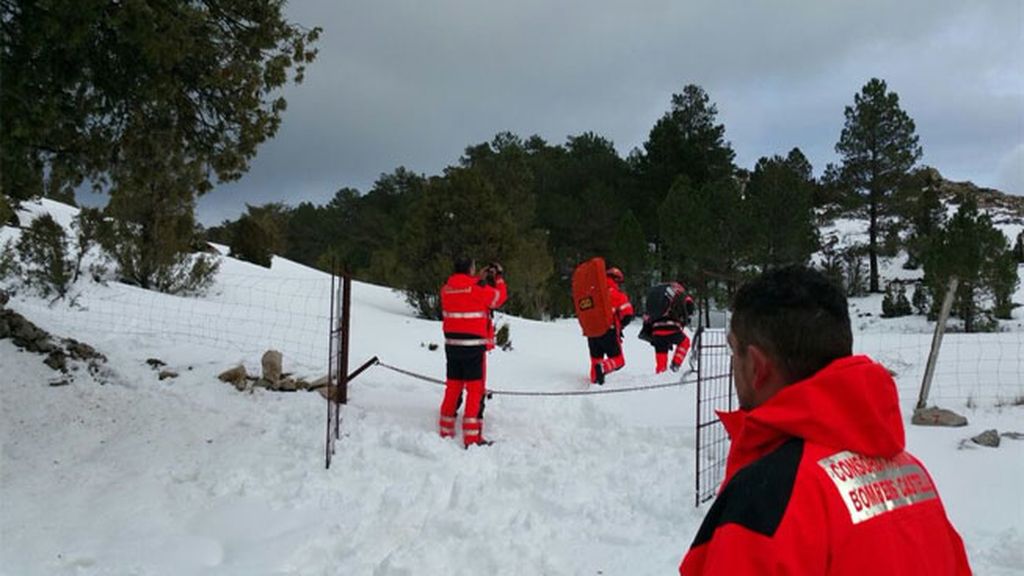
<point x="463" y="264"/>
<point x="797" y="316"/>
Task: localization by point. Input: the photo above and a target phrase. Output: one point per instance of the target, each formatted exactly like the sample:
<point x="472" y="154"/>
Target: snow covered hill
<point x="188" y="476"/>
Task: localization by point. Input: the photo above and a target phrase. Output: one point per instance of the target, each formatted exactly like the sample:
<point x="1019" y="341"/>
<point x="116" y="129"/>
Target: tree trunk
<point x="873" y="241"/>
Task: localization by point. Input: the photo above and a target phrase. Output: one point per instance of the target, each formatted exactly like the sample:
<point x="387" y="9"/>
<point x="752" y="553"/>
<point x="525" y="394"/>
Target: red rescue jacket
<point x="622" y="309"/>
<point x="818" y="482"/>
<point x="466" y="304"/>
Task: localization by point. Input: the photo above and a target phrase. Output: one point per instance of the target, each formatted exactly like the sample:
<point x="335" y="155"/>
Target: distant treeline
<point x="679" y="208"/>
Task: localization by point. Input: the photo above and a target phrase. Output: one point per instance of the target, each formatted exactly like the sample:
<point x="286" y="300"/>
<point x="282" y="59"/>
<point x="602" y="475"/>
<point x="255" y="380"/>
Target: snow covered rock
<point x="235" y="376"/>
<point x="271" y="362"/>
<point x="938" y="417"/>
<point x="988" y="438"/>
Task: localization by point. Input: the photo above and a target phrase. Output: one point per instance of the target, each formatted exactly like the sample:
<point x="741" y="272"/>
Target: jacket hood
<point x="851" y="404"/>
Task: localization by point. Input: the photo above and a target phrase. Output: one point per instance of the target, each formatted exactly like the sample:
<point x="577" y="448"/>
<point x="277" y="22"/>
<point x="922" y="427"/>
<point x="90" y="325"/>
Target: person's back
<point x="466" y="305"/>
<point x="818" y="480"/>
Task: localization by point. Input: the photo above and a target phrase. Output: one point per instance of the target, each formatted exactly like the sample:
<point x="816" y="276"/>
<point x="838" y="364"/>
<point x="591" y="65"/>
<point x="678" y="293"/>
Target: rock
<point x="81" y="351"/>
<point x="60" y="382"/>
<point x="934" y="416"/>
<point x="155" y="363"/>
<point x="320" y="382"/>
<point x="25" y="333"/>
<point x="988" y="438"/>
<point x="1013" y="435"/>
<point x="272" y="368"/>
<point x="165" y="374"/>
<point x="5" y="327"/>
<point x="235" y="376"/>
<point x="57" y="360"/>
<point x="4" y="298"/>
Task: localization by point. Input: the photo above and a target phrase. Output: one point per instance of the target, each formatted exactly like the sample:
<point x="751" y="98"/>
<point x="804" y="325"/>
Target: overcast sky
<point x="413" y="82"/>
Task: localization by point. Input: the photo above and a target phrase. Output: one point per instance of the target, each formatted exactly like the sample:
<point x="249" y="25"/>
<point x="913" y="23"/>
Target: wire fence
<point x="985" y="369"/>
<point x="246" y="313"/>
<point x="251" y="313"/>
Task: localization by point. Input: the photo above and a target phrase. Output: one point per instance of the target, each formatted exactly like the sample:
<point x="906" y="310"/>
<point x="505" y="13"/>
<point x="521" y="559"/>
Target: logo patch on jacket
<point x="874" y="486"/>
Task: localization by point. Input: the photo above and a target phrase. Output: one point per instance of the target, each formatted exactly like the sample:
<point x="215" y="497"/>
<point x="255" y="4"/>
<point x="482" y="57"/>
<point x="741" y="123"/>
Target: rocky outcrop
<point x="63" y="355"/>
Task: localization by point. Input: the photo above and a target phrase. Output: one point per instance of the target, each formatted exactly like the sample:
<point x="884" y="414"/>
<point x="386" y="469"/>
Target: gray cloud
<point x="400" y="82"/>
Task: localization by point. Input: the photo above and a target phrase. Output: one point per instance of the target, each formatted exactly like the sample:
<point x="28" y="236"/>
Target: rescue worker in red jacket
<point x="467" y="304"/>
<point x="818" y="480"/>
<point x="667" y="311"/>
<point x="606" y="351"/>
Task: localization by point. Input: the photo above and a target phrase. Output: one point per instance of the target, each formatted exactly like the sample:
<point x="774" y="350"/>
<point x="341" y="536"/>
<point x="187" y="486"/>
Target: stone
<point x="155" y="363"/>
<point x="82" y="351"/>
<point x="988" y="438"/>
<point x="235" y="376"/>
<point x="934" y="416"/>
<point x="320" y="382"/>
<point x="4" y="298"/>
<point x="60" y="382"/>
<point x="165" y="374"/>
<point x="271" y="362"/>
<point x="57" y="360"/>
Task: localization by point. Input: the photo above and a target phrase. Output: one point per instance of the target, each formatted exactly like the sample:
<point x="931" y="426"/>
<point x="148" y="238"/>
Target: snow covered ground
<point x="188" y="476"/>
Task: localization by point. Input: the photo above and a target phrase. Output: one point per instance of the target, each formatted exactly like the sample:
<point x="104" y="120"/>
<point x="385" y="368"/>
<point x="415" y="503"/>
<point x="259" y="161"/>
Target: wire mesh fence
<point x="984" y="369"/>
<point x="246" y="313"/>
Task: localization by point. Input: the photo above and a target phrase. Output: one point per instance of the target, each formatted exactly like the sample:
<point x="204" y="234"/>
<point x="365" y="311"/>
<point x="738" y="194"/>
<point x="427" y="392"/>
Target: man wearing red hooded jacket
<point x="818" y="480"/>
<point x="467" y="302"/>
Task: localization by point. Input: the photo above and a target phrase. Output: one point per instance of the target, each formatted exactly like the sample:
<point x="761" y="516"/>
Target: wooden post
<point x="346" y="333"/>
<point x="933" y="355"/>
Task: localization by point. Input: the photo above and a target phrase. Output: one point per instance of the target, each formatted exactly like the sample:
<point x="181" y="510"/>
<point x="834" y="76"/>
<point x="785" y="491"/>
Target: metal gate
<point x="714" y="392"/>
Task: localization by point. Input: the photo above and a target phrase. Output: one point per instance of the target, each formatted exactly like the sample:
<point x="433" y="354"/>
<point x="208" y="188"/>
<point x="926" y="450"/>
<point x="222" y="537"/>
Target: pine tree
<point x="702" y="237"/>
<point x="629" y="252"/>
<point x="778" y="207"/>
<point x="458" y="214"/>
<point x="879" y="146"/>
<point x="971" y="248"/>
<point x="920" y="210"/>
<point x="686" y="141"/>
<point x="84" y="80"/>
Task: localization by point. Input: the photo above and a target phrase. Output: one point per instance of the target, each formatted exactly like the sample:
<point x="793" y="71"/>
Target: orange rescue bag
<point x="591" y="299"/>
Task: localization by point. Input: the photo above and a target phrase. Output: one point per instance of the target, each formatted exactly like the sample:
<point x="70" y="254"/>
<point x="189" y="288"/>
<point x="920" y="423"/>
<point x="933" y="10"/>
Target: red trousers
<point x="473" y="419"/>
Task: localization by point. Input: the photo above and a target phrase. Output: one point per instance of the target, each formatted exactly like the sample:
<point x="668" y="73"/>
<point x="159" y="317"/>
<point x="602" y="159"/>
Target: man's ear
<point x="764" y="369"/>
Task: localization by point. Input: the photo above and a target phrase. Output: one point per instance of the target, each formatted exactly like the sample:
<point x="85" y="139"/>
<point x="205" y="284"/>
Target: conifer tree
<point x="86" y="79"/>
<point x="778" y="208"/>
<point x="879" y="146"/>
<point x="685" y="141"/>
<point x="971" y="248"/>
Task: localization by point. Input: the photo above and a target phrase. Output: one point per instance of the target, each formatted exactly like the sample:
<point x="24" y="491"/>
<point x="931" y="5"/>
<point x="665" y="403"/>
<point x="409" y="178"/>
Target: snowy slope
<point x="188" y="476"/>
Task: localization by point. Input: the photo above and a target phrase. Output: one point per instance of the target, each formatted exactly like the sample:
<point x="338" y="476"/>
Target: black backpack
<point x="668" y="299"/>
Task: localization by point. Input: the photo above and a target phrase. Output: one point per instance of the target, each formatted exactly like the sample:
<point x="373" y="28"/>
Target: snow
<point x="188" y="476"/>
